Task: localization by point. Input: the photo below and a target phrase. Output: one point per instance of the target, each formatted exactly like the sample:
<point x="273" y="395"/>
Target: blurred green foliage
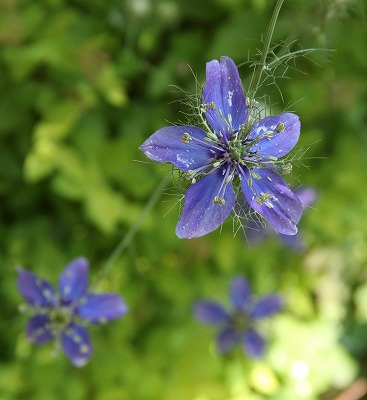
<point x="83" y="84"/>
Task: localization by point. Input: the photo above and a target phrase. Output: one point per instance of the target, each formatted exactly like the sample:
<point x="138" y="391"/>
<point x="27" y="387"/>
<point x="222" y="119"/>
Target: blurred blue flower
<point x="236" y="155"/>
<point x="63" y="316"/>
<point x="238" y="325"/>
<point x="256" y="232"/>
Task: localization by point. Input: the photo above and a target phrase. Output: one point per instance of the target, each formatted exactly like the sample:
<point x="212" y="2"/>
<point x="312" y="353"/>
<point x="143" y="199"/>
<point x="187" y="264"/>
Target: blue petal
<point x="223" y="87"/>
<point x="73" y="282"/>
<point x="307" y="196"/>
<point x="254" y="344"/>
<point x="101" y="308"/>
<point x="285" y="129"/>
<point x="283" y="209"/>
<point x="256" y="232"/>
<point x="294" y="242"/>
<point x="227" y="339"/>
<point x="167" y="146"/>
<point x="267" y="306"/>
<point x="38" y="329"/>
<point x="200" y="215"/>
<point x="240" y="293"/>
<point x="210" y="312"/>
<point x="76" y="345"/>
<point x="34" y="290"/>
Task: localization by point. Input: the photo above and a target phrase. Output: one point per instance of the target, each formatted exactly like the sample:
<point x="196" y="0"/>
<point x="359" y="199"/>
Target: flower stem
<point x="124" y="243"/>
<point x="260" y="67"/>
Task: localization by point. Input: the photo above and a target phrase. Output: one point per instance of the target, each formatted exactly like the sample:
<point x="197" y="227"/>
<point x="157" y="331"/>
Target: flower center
<point x="240" y="322"/>
<point x="60" y="317"/>
<point x="236" y="150"/>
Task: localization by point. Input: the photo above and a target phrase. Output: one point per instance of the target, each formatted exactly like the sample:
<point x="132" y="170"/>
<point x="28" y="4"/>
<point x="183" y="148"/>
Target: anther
<point x="269" y="134"/>
<point x="286" y="168"/>
<point x="186" y="138"/>
<point x="206" y="107"/>
<point x="255" y="175"/>
<point x="189" y="174"/>
<point x="263" y="198"/>
<point x="219" y="201"/>
<point x="280" y="127"/>
<point x="229" y="178"/>
<point x="251" y="102"/>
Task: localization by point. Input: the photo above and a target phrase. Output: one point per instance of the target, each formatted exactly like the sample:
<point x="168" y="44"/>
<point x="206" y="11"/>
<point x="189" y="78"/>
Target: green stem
<point x="132" y="231"/>
<point x="260" y="67"/>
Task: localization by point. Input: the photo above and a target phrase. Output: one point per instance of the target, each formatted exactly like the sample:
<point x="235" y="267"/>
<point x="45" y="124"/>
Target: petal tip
<point x="289" y="230"/>
<point x="183" y="233"/>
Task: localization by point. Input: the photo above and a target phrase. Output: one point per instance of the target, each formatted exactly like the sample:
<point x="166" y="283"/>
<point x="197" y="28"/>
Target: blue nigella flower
<point x="238" y="326"/>
<point x="63" y="316"/>
<point x="256" y="233"/>
<point x="235" y="153"/>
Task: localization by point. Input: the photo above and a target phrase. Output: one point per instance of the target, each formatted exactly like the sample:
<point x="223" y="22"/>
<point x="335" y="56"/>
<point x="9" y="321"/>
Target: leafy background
<point x="83" y="84"/>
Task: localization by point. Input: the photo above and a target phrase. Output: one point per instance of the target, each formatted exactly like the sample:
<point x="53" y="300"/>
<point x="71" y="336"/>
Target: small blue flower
<point x="238" y="325"/>
<point x="256" y="233"/>
<point x="63" y="316"/>
<point x="235" y="155"/>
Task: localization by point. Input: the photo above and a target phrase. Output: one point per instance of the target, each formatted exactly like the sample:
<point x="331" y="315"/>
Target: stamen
<point x="263" y="199"/>
<point x="255" y="175"/>
<point x="286" y="168"/>
<point x="251" y="102"/>
<point x="192" y="173"/>
<point x="280" y="127"/>
<point x="219" y="201"/>
<point x="209" y="142"/>
<point x="186" y="138"/>
<point x="229" y="178"/>
<point x="230" y="120"/>
<point x="268" y="134"/>
<point x="189" y="174"/>
<point x="209" y="106"/>
<point x="229" y="124"/>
